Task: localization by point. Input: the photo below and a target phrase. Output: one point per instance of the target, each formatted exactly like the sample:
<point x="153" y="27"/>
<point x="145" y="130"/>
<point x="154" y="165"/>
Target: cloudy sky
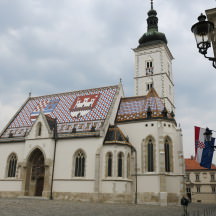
<point x="55" y="46"/>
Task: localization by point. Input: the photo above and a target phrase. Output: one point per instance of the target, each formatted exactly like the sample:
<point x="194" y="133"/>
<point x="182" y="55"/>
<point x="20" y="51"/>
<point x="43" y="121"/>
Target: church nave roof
<point x="83" y="110"/>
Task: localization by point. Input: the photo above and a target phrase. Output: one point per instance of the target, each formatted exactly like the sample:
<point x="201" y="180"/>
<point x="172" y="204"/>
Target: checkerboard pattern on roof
<point x="136" y="108"/>
<point x="62" y="110"/>
<point x="140" y="105"/>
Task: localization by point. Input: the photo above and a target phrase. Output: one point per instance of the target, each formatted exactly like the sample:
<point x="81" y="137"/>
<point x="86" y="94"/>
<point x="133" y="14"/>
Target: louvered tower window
<point x="149" y="67"/>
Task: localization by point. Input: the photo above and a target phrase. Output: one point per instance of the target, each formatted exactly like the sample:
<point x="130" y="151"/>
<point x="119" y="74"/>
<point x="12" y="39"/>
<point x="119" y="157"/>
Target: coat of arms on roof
<point x="83" y="104"/>
<point x="47" y="106"/>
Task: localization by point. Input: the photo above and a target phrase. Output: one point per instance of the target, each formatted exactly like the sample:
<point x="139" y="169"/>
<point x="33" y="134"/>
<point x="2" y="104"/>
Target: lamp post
<point x="203" y="31"/>
<point x="208" y="134"/>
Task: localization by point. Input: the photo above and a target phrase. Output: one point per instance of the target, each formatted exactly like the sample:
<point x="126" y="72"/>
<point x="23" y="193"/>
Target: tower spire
<point x="151" y="4"/>
<point x="152" y="34"/>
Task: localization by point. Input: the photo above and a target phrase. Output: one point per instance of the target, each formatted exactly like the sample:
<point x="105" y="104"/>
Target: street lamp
<point x="208" y="138"/>
<point x="208" y="134"/>
<point x="203" y="31"/>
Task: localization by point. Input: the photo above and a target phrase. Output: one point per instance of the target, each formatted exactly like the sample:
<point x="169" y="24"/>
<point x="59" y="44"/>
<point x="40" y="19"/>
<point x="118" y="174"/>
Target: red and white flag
<point x="199" y="143"/>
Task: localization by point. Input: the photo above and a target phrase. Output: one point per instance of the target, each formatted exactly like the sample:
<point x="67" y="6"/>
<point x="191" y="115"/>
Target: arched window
<point x="12" y="163"/>
<point x="150" y="156"/>
<point x="167" y="155"/>
<point x="39" y="128"/>
<point x="120" y="164"/>
<point x="109" y="164"/>
<point x="128" y="166"/>
<point x="79" y="164"/>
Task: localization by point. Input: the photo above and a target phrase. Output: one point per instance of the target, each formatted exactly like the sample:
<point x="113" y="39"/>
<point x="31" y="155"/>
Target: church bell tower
<point x="153" y="63"/>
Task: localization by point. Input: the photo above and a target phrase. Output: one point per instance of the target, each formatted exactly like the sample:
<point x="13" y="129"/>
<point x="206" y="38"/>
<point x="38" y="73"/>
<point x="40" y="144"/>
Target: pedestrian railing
<point x="211" y="211"/>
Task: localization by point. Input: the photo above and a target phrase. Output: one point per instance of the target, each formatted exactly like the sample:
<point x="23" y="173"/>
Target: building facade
<point x="98" y="145"/>
<point x="211" y="16"/>
<point x="200" y="182"/>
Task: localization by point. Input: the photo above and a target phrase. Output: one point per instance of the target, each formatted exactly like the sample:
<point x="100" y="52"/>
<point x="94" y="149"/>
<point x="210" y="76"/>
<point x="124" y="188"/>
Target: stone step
<point x="33" y="197"/>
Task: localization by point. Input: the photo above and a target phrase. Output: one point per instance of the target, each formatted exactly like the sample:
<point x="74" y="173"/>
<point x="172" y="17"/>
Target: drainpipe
<point x="55" y="142"/>
<point x="134" y="150"/>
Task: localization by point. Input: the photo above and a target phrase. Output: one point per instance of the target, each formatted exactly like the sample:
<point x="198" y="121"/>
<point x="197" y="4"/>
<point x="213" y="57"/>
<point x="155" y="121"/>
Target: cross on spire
<point x="151" y="4"/>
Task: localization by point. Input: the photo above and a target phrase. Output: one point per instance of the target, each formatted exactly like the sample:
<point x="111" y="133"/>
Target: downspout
<point x="134" y="150"/>
<point x="55" y="142"/>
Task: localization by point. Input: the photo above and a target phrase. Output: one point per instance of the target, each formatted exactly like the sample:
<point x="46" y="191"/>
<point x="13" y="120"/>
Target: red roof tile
<point x="192" y="164"/>
<point x="135" y="108"/>
<point x="80" y="109"/>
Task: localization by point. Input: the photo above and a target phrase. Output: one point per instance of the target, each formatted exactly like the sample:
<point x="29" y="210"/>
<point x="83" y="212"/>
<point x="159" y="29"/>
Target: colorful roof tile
<point x="115" y="136"/>
<point x="135" y="108"/>
<point x="80" y="109"/>
<point x="192" y="164"/>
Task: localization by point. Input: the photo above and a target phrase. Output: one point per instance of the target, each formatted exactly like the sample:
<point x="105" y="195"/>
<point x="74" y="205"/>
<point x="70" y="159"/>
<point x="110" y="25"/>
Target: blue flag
<point x="207" y="154"/>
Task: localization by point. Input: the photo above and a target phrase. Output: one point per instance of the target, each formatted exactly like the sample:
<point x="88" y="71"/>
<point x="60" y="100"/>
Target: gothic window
<point x="12" y="163"/>
<point x="128" y="166"/>
<point x="109" y="159"/>
<point x="120" y="164"/>
<point x="213" y="189"/>
<point x="149" y="67"/>
<point x="167" y="155"/>
<point x="79" y="164"/>
<point x="150" y="156"/>
<point x="39" y="128"/>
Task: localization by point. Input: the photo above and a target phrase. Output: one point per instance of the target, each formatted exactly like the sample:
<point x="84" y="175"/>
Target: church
<point x="97" y="144"/>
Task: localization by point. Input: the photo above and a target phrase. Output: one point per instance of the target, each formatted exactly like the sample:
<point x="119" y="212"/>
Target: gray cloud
<point x="55" y="46"/>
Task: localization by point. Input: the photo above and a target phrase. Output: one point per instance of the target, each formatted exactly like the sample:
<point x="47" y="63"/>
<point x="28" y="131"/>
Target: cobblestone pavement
<point x="35" y="207"/>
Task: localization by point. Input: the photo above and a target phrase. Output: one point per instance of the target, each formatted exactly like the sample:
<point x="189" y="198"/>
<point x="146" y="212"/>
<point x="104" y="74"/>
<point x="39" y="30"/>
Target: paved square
<point x="35" y="207"/>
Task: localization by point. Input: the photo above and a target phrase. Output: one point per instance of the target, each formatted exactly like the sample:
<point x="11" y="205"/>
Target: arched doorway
<point x="35" y="174"/>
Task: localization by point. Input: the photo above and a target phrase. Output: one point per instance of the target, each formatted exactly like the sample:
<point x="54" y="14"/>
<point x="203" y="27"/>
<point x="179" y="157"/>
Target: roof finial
<point x="151" y="4"/>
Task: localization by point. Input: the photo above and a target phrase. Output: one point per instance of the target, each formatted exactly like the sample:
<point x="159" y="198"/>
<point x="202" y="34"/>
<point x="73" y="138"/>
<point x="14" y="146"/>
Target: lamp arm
<point x="211" y="59"/>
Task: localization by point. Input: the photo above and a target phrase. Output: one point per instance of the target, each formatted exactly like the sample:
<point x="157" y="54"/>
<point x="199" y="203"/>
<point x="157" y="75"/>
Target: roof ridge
<point x="133" y="97"/>
<point x="152" y="93"/>
<point x="81" y="90"/>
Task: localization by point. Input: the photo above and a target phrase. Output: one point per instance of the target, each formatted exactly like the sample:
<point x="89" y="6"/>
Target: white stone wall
<point x="158" y="129"/>
<point x="115" y="184"/>
<point x="10" y="183"/>
<point x="162" y="77"/>
<point x="65" y="150"/>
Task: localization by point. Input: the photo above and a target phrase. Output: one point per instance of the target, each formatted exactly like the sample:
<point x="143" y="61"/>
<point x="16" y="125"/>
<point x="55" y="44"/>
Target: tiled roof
<point x="192" y="164"/>
<point x="115" y="136"/>
<point x="80" y="109"/>
<point x="135" y="108"/>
